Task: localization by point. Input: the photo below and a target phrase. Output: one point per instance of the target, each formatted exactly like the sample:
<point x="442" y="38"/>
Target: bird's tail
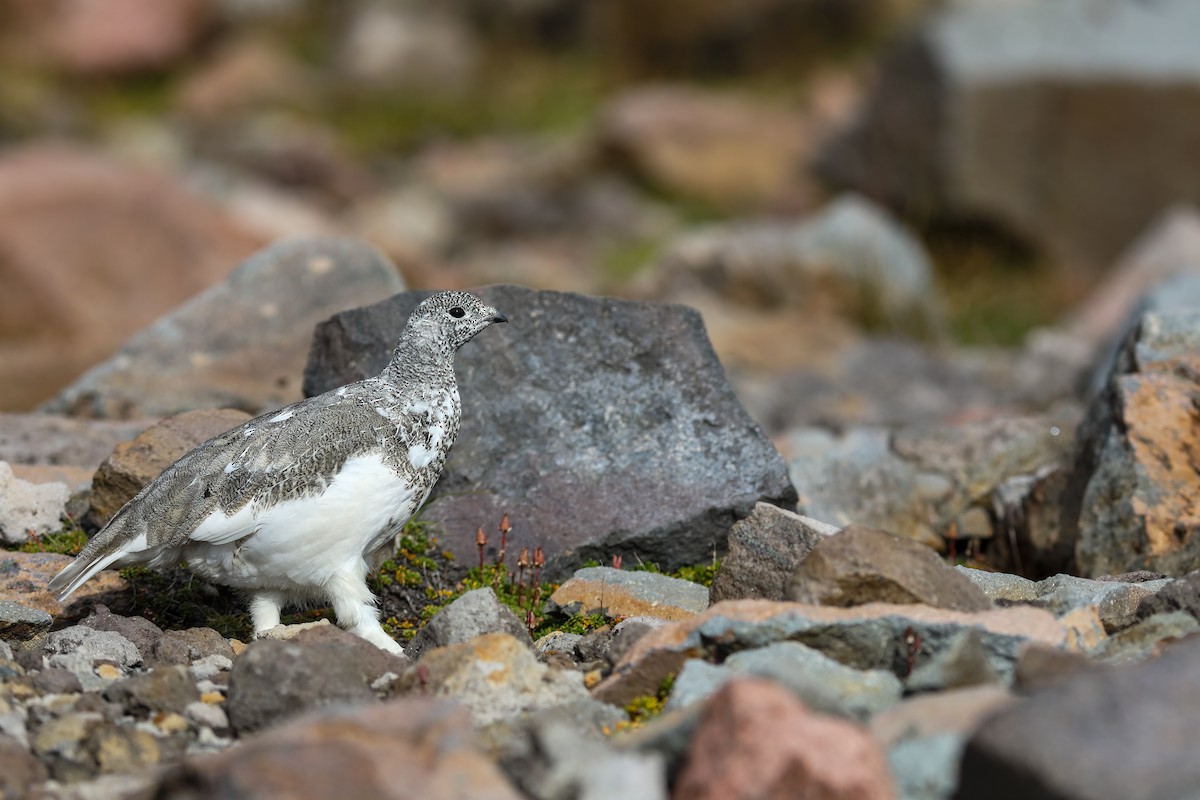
<point x="98" y="554"/>
<point x="79" y="572"/>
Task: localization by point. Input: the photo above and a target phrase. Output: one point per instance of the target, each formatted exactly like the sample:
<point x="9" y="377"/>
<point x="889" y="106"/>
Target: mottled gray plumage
<point x="288" y="505"/>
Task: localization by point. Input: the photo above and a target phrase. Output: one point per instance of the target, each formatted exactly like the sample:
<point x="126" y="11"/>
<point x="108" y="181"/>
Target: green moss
<point x="702" y="574"/>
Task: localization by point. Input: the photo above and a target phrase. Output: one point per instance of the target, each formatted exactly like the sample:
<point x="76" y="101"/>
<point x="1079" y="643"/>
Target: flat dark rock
<point x="601" y="426"/>
<point x="1123" y="733"/>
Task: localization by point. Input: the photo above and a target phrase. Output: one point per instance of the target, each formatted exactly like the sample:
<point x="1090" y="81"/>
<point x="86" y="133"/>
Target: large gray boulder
<point x="1070" y="123"/>
<point x="240" y="344"/>
<point x="602" y="427"/>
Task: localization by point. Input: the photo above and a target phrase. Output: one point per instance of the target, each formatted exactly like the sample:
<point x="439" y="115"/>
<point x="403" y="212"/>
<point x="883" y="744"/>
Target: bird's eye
<point x="457" y="312"/>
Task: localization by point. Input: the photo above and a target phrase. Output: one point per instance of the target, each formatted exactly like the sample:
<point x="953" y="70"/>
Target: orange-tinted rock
<point x="756" y="740"/>
<point x="1134" y="498"/>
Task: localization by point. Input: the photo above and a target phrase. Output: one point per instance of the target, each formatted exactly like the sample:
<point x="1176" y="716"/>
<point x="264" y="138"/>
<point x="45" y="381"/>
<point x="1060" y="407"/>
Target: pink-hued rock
<point x="109" y="37"/>
<point x="94" y="250"/>
<point x="23" y="579"/>
<point x="412" y="748"/>
<point x="756" y="740"/>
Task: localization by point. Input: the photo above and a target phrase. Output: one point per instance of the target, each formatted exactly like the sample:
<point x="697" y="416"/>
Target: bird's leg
<point x="354" y="606"/>
<point x="264" y="610"/>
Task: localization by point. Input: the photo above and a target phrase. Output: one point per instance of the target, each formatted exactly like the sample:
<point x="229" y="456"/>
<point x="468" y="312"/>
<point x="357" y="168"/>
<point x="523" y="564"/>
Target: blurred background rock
<point x="891" y="213"/>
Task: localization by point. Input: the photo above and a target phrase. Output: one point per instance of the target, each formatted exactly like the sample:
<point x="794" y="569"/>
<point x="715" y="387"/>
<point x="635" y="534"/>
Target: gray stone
<point x="1108" y="733"/>
<point x="54" y="441"/>
<point x="642" y="449"/>
<point x="272" y="681"/>
<point x="168" y="689"/>
<point x="56" y="680"/>
<point x="1181" y="594"/>
<point x="1146" y="638"/>
<point x="473" y="613"/>
<point x="852" y="247"/>
<point x="495" y="676"/>
<point x="621" y="593"/>
<point x="963" y="662"/>
<point x="1131" y="492"/>
<point x="29" y="508"/>
<point x="1116" y="602"/>
<point x="862" y="565"/>
<point x="554" y="760"/>
<point x="6" y="653"/>
<point x="856" y="478"/>
<point x="139" y="630"/>
<point x="926" y="768"/>
<point x="822" y="683"/>
<point x="1001" y="585"/>
<point x="764" y="550"/>
<point x="240" y="344"/>
<point x="1003" y="112"/>
<point x="556" y="643"/>
<point x="91" y="645"/>
<point x="20" y="622"/>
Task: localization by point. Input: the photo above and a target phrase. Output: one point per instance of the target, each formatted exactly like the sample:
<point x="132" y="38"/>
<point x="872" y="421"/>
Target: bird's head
<point x="453" y="317"/>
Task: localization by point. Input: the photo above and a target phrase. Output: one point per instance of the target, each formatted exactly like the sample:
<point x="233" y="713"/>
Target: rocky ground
<point x="842" y="443"/>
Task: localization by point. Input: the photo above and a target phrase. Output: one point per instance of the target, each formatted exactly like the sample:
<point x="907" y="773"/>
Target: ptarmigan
<point x="286" y="507"/>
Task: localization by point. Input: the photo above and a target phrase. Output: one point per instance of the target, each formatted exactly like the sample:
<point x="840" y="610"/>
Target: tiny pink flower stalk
<point x="480" y="542"/>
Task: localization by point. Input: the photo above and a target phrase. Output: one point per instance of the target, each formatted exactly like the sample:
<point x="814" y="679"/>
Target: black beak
<point x="499" y="317"/>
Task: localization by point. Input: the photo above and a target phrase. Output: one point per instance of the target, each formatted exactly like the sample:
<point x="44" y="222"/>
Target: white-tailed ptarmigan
<point x="286" y="507"/>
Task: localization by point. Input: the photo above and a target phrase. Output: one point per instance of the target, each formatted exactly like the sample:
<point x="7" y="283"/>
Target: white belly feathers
<point x="307" y="540"/>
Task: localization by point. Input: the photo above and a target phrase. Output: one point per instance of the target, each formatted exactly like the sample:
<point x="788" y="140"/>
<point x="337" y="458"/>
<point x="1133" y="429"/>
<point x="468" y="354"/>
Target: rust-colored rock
<point x="135" y="463"/>
<point x="756" y="740"/>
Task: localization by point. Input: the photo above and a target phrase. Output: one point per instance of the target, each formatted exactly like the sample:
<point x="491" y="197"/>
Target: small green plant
<point x="69" y="541"/>
<point x="644" y="708"/>
<point x="178" y="599"/>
